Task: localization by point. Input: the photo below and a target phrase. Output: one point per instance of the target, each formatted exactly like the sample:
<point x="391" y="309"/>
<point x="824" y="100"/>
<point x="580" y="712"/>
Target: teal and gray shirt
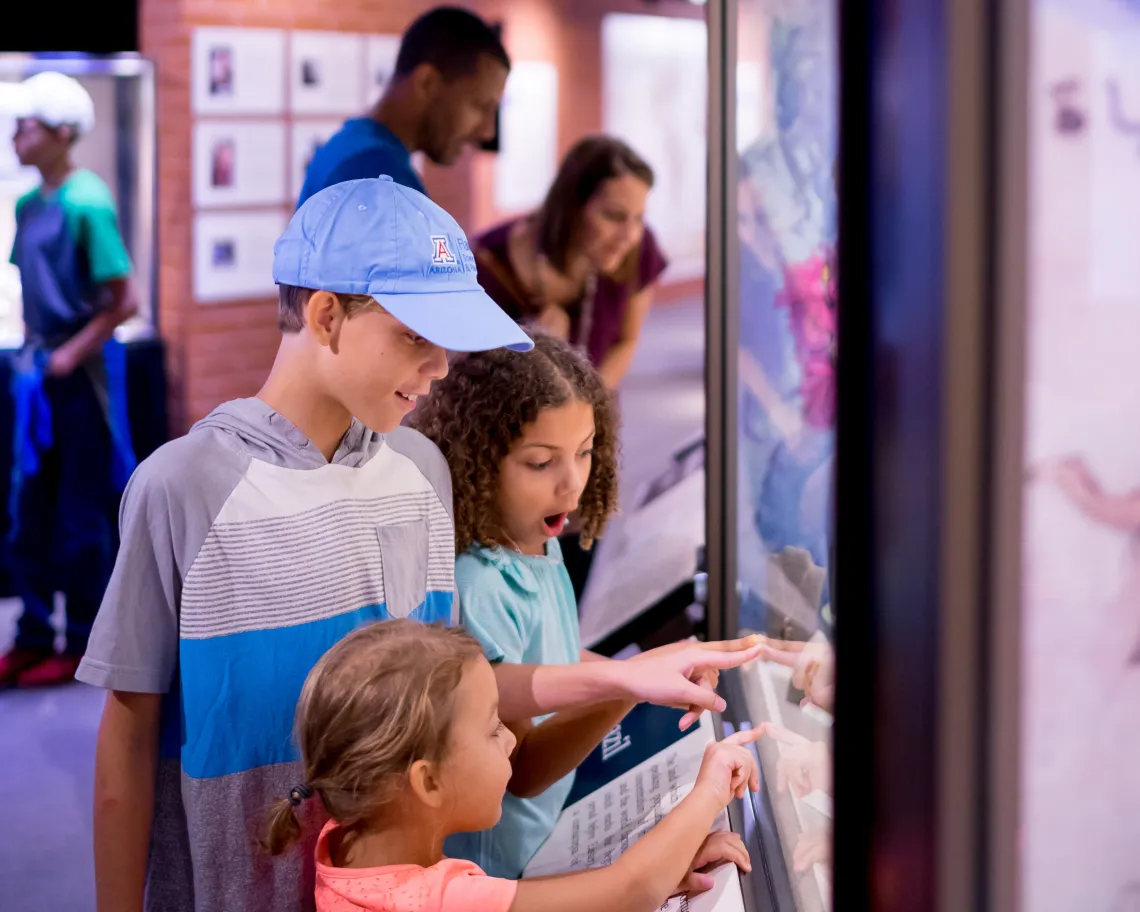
<point x="67" y="245"/>
<point x="522" y="609"/>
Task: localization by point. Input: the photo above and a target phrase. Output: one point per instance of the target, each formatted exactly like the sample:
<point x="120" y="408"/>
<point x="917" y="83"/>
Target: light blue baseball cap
<point x="379" y="238"/>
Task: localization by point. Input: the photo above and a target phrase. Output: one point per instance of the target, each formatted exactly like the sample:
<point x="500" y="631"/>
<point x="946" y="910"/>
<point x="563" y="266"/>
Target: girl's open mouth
<point x="555" y="523"/>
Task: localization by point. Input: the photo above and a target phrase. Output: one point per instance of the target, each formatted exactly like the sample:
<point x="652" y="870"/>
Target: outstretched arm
<point x="665" y="677"/>
<point x="1121" y="511"/>
<point x="646" y="875"/>
<point x="1080" y="486"/>
<point x="557" y="746"/>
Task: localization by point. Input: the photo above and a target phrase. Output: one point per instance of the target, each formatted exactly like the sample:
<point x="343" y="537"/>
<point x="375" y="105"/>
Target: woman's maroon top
<point x="611" y="297"/>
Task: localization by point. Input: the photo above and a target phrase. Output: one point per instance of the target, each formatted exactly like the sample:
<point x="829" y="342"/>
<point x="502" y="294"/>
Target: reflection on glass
<point x="1080" y="666"/>
<point x="786" y="198"/>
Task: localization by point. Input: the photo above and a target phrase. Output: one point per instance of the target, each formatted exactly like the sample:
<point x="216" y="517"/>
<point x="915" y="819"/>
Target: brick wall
<point x="224" y="350"/>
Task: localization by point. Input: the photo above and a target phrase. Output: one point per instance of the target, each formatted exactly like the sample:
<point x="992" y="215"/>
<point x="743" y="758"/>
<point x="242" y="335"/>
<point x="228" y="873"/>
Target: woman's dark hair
<point x="593" y="161"/>
<point x="477" y="412"/>
<point x="452" y="40"/>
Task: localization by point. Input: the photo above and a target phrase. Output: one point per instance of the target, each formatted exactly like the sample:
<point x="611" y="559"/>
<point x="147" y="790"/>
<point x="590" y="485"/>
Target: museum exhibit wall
<point x="245" y="88"/>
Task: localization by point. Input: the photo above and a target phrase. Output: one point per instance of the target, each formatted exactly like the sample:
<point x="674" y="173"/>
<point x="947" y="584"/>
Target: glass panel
<point x="787" y="111"/>
<point x="1080" y="666"/>
<point x="120" y="149"/>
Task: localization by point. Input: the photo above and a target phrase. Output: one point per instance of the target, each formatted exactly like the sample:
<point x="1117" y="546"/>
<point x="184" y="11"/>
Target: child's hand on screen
<point x="728" y="769"/>
<point x="721" y="847"/>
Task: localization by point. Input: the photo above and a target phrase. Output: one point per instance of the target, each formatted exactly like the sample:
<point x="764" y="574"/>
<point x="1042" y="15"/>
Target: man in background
<point x="72" y="452"/>
<point x="444" y="95"/>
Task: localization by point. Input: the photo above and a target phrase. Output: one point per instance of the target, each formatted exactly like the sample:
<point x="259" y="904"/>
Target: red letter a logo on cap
<point x="441" y="252"/>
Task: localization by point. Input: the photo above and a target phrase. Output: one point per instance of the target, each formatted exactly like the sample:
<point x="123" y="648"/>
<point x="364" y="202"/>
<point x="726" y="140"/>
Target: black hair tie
<point x="299" y="793"/>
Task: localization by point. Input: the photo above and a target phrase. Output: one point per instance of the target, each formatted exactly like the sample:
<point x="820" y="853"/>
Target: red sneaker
<point x="56" y="669"/>
<point x="17" y="662"/>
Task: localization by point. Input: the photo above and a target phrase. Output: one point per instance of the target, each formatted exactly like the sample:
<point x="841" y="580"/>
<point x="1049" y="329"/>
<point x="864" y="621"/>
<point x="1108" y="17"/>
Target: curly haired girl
<point x="402" y="746"/>
<point x="493" y="417"/>
<point x="530" y="438"/>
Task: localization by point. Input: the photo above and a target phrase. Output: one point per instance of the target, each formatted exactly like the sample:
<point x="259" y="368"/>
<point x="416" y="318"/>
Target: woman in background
<point x="583" y="266"/>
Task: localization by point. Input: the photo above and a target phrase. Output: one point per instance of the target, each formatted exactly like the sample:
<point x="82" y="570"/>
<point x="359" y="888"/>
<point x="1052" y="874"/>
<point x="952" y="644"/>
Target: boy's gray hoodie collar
<point x="269" y="436"/>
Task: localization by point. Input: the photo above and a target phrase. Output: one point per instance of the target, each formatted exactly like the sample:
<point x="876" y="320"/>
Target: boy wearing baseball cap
<point x="258" y="540"/>
<point x="275" y="527"/>
<point x="72" y="447"/>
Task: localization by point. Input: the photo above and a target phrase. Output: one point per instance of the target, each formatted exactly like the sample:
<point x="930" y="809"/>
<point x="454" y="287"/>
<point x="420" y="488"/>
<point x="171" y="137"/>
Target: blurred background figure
<point x="582" y="267"/>
<point x="444" y="95"/>
<point x="72" y="446"/>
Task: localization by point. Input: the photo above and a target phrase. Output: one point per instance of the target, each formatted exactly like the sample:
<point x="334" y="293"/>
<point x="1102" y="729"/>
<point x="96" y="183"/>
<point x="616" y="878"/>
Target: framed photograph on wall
<point x="381" y="53"/>
<point x="239" y="164"/>
<point x="237" y="71"/>
<point x="306" y="136"/>
<point x="326" y="73"/>
<point x="233" y="254"/>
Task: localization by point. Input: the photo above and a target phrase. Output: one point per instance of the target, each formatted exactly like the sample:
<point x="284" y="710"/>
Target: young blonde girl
<point x="530" y="439"/>
<point x="402" y="746"/>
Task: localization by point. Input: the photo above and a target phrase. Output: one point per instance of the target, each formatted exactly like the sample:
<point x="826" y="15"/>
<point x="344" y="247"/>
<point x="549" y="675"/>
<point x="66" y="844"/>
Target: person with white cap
<point x="72" y="449"/>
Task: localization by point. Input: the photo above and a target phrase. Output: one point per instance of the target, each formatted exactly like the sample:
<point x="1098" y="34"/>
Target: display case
<point x="868" y="397"/>
<point x="965" y="630"/>
<point x="771" y="437"/>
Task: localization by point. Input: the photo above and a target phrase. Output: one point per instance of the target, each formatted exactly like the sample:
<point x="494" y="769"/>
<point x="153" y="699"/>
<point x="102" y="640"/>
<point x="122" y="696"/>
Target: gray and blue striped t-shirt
<point x="245" y="556"/>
